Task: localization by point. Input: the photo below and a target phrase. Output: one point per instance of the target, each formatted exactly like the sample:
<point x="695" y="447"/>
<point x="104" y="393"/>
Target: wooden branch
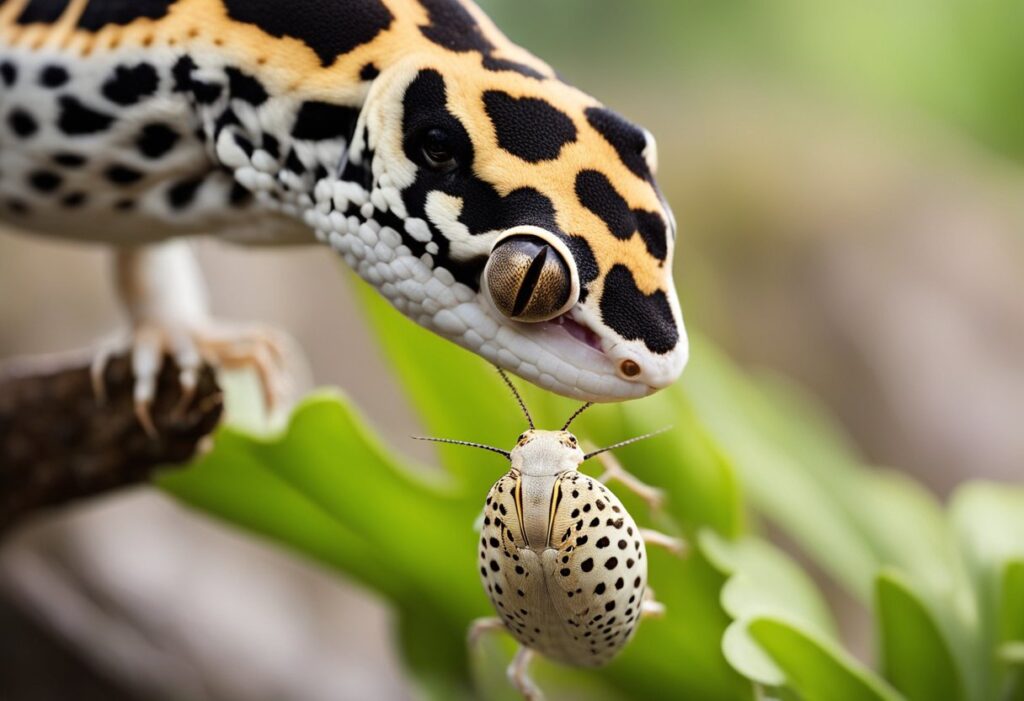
<point x="57" y="444"/>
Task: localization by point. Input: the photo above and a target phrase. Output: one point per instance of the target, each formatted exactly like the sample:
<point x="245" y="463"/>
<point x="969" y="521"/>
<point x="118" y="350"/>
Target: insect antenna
<point x="577" y="413"/>
<point x="470" y="444"/>
<point x="626" y="442"/>
<point x="515" y="393"/>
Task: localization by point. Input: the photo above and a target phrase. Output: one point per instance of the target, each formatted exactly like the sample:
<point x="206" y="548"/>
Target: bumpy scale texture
<point x="577" y="597"/>
<point x="301" y="121"/>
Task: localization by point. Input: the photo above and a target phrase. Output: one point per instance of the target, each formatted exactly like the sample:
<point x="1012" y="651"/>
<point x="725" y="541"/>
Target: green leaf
<point x="1011" y="609"/>
<point x="989" y="520"/>
<point x="815" y="668"/>
<point x="916" y="657"/>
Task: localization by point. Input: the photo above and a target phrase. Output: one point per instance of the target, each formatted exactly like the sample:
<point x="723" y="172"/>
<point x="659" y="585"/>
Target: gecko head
<point x="522" y="221"/>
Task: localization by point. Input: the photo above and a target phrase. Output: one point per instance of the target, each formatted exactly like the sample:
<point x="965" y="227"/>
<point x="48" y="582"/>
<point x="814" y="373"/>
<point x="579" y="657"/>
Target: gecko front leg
<point x="163" y="294"/>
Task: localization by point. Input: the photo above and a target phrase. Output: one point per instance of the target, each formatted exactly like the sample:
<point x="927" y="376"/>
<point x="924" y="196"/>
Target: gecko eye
<point x="438" y="151"/>
<point x="528" y="279"/>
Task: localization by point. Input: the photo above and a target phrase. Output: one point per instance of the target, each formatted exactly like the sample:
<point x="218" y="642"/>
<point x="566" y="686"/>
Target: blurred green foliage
<point x="744" y="621"/>
<point x="959" y="60"/>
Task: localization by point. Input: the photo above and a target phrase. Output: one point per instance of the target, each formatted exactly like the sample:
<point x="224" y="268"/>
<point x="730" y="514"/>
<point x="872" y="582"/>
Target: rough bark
<point x="58" y="444"/>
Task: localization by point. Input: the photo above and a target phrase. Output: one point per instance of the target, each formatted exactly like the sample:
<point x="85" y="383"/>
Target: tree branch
<point x="57" y="444"/>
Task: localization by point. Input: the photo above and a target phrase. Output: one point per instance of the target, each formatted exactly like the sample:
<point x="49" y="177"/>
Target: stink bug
<point x="562" y="561"/>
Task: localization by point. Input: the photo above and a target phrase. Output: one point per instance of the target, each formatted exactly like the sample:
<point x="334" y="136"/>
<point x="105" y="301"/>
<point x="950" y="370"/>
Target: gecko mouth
<point x="577" y="330"/>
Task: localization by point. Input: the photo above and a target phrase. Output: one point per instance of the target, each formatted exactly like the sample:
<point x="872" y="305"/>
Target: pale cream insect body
<point x="563" y="562"/>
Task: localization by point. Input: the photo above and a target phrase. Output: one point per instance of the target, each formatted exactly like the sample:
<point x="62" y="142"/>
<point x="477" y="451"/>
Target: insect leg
<point x="676" y="546"/>
<point x="519" y="675"/>
<point x="613" y="470"/>
<point x="481" y="627"/>
<point x="649" y="608"/>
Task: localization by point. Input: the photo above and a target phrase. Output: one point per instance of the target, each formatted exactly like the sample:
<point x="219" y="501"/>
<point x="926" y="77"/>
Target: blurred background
<point x="848" y="186"/>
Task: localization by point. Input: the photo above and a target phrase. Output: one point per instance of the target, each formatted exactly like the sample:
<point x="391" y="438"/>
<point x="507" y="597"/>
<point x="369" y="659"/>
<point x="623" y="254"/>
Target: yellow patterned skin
<point x="410" y="136"/>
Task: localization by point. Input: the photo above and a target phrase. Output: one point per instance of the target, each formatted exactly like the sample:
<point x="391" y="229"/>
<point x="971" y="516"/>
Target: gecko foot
<point x="220" y="345"/>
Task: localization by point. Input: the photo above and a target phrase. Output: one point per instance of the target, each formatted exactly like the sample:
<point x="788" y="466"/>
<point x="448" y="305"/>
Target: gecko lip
<point x="578" y="331"/>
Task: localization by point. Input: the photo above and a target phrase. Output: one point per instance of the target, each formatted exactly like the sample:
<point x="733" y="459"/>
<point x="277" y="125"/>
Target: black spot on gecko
<point x="529" y="128"/>
<point x="627" y="139"/>
<point x="42" y="11"/>
<point x="181" y="194"/>
<point x="129" y="84"/>
<point x="243" y="86"/>
<point x="99" y="13"/>
<point x="78" y="120"/>
<point x="317" y="121"/>
<point x="53" y="76"/>
<point x="155" y="140"/>
<point x="317" y="24"/>
<point x="22" y="123"/>
<point x="636" y="316"/>
<point x="8" y="73"/>
<point x="44" y="181"/>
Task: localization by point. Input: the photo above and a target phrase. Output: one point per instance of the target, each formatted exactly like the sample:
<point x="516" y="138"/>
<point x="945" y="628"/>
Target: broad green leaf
<point x="815" y="668"/>
<point x="989" y="521"/>
<point x="1011" y="609"/>
<point x="762" y="582"/>
<point x="916" y="658"/>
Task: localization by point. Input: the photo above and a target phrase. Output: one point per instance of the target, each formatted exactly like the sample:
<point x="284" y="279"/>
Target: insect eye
<point x="572" y="440"/>
<point x="438" y="150"/>
<point x="528" y="279"/>
<point x="521" y="437"/>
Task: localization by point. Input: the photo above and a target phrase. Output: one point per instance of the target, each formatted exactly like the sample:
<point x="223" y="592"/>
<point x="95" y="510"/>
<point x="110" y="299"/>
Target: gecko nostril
<point x="629" y="368"/>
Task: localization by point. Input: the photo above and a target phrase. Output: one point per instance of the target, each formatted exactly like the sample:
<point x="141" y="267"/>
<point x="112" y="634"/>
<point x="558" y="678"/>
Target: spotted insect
<point x="563" y="562"/>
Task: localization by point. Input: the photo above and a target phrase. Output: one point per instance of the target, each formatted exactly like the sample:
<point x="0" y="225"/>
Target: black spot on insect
<point x="610" y="606"/>
<point x="22" y="123"/>
<point x="575" y="494"/>
<point x="611" y="563"/>
<point x="76" y="119"/>
<point x="615" y="522"/>
<point x="129" y="84"/>
<point x="519" y="569"/>
<point x="53" y="76"/>
<point x="155" y="140"/>
<point x="565" y="572"/>
<point x="582" y="540"/>
<point x="483" y="571"/>
<point x="42" y="11"/>
<point x="602" y="542"/>
<point x="122" y="175"/>
<point x="318" y="121"/>
<point x="622" y="544"/>
<point x="494" y="542"/>
<point x="594" y="522"/>
<point x="181" y="194"/>
<point x="630" y="563"/>
<point x="494" y="566"/>
<point x="44" y="181"/>
<point x="616" y="509"/>
<point x="520" y="592"/>
<point x="368" y="72"/>
<point x="565" y="559"/>
<point x="69" y="160"/>
<point x="619" y="583"/>
<point x="498" y="589"/>
<point x="599" y="589"/>
<point x="599" y="504"/>
<point x="315" y="23"/>
<point x="100" y="14"/>
<point x="73" y="200"/>
<point x="242" y="86"/>
<point x="527" y="127"/>
<point x="502" y="509"/>
<point x="586" y="508"/>
<point x="587" y="564"/>
<point x="635" y="315"/>
<point x="575" y="513"/>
